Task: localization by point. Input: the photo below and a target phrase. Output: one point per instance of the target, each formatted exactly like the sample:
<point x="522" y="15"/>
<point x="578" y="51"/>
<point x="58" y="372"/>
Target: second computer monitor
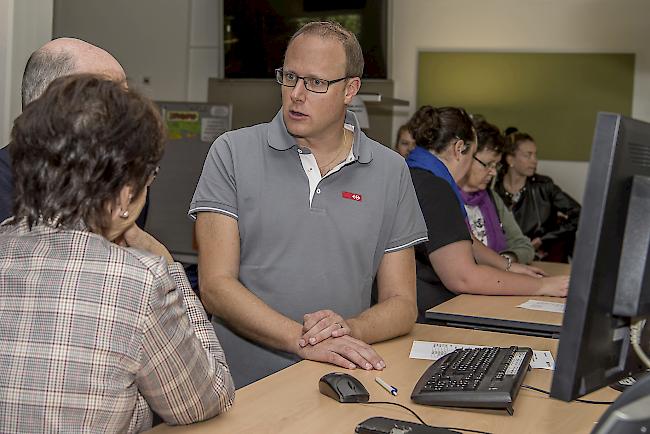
<point x="594" y="348"/>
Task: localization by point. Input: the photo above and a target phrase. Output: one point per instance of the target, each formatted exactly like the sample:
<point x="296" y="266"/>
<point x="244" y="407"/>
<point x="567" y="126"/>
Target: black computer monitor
<point x="609" y="274"/>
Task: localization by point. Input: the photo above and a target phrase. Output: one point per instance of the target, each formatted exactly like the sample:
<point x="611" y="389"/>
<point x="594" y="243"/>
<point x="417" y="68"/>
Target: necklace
<point x="512" y="186"/>
<point x="324" y="169"/>
<point x="514" y="197"/>
<point x="513" y="193"/>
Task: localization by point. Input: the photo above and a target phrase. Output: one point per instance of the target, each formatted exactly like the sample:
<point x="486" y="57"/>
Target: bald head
<point x="65" y="56"/>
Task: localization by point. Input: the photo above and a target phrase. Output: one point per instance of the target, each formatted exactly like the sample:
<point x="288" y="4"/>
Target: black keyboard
<point x="478" y="378"/>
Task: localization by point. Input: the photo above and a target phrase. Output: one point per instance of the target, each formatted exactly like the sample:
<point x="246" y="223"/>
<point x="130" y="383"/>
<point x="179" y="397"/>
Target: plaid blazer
<point x="94" y="336"/>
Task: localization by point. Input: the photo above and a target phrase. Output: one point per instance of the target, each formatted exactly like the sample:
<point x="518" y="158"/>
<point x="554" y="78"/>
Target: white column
<point x="206" y="47"/>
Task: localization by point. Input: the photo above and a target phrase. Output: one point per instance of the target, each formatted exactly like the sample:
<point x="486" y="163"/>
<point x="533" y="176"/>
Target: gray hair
<point x="43" y="67"/>
<point x="331" y="29"/>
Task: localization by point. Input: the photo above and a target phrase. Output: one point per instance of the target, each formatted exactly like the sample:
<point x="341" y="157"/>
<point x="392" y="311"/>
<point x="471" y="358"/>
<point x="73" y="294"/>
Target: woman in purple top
<point x="492" y="223"/>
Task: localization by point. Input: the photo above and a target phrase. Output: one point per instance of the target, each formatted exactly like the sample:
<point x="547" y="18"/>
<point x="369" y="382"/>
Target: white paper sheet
<point x="211" y="128"/>
<point x="435" y="350"/>
<point x="546" y="306"/>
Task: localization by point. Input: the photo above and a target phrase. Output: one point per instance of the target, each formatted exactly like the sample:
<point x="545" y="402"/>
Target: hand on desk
<point x="345" y="351"/>
<point x="555" y="286"/>
<point x="528" y="270"/>
<point x="322" y="324"/>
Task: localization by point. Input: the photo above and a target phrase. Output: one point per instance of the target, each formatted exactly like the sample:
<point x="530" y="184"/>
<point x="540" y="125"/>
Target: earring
<point x="125" y="214"/>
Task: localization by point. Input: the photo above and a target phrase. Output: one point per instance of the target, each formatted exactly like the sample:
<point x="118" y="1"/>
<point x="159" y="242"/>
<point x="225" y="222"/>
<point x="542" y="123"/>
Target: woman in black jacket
<point x="545" y="213"/>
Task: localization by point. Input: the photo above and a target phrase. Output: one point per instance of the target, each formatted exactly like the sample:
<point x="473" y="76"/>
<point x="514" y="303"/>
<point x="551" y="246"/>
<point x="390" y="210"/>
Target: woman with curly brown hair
<point x="99" y="326"/>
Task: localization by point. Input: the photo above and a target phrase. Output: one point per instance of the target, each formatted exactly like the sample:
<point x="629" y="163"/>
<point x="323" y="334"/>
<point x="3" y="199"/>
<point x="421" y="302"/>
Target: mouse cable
<point x="584" y="401"/>
<point x="420" y="419"/>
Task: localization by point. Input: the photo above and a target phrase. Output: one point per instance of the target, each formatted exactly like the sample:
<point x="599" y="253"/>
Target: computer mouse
<point x="343" y="387"/>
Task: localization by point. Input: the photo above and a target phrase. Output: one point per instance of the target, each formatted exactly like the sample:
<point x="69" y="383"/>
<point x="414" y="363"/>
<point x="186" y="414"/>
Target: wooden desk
<point x="497" y="313"/>
<point x="500" y="313"/>
<point x="289" y="401"/>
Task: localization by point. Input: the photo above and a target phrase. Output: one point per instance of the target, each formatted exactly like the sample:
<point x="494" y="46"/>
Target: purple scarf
<point x="493" y="229"/>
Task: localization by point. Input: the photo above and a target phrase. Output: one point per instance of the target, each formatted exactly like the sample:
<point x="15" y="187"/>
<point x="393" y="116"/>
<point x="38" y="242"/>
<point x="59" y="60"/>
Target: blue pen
<point x="390" y="389"/>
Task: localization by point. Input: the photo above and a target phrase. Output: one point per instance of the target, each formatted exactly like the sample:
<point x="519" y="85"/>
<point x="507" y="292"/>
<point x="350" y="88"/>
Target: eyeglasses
<point x="312" y="84"/>
<point x="495" y="165"/>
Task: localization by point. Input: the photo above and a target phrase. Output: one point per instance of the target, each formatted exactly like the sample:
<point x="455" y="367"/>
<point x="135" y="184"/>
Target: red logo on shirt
<point x="352" y="196"/>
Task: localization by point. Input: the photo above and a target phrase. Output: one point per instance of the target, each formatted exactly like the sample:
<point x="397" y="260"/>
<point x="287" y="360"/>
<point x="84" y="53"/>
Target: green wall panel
<point x="553" y="97"/>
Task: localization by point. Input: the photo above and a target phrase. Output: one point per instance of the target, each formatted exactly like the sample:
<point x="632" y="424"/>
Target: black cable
<point x="588" y="401"/>
<point x="584" y="401"/>
<point x="399" y="405"/>
<point x="462" y="429"/>
<point x="526" y="386"/>
<point x="420" y="419"/>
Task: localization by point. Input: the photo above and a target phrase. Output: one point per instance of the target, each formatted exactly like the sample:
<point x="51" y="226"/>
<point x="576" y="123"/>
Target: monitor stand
<point x="622" y="384"/>
<point x="629" y="413"/>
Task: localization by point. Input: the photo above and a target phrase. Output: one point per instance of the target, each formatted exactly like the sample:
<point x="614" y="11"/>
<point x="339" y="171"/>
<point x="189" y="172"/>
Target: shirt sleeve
<point x="183" y="375"/>
<point x="439" y="204"/>
<point x="409" y="228"/>
<point x="216" y="190"/>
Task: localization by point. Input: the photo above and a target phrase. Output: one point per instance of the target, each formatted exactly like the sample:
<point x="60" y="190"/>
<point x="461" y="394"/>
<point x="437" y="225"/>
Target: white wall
<point x="570" y="175"/>
<point x="25" y="25"/>
<point x="168" y="48"/>
<point x="150" y="38"/>
<point x="522" y="26"/>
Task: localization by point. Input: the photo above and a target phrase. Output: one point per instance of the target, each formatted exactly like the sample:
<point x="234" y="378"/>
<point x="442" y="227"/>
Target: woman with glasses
<point x="491" y="221"/>
<point x="99" y="326"/>
<point x="452" y="262"/>
<point x="545" y="213"/>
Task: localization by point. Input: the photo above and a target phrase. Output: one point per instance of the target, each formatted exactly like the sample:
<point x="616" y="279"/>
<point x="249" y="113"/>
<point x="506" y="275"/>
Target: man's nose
<point x="298" y="91"/>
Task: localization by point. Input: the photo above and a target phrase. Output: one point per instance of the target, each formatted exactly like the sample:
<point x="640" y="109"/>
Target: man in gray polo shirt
<point x="296" y="217"/>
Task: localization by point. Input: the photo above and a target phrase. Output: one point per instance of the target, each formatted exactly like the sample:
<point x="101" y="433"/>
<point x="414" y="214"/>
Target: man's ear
<point x="352" y="88"/>
<point x="509" y="160"/>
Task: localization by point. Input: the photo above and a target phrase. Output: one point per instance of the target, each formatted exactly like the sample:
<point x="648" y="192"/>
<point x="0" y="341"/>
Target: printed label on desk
<point x="435" y="350"/>
<point x="546" y="306"/>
